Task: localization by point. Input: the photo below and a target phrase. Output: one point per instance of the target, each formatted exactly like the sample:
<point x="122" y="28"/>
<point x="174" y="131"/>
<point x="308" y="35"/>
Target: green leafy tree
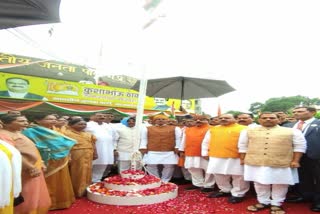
<point x="283" y="103"/>
<point x="256" y="107"/>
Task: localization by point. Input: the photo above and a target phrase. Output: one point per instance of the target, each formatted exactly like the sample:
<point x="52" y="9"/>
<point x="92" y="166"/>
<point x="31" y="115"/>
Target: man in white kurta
<point x="127" y="136"/>
<point x="106" y="139"/>
<point x="160" y="145"/>
<point x="221" y="145"/>
<point x="271" y="155"/>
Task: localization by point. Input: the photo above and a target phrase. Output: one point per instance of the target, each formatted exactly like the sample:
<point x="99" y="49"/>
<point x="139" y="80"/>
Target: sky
<point x="264" y="49"/>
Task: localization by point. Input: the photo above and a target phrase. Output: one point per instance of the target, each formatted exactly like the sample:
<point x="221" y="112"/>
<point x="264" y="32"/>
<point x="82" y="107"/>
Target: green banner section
<point x="15" y="86"/>
<point x="29" y="66"/>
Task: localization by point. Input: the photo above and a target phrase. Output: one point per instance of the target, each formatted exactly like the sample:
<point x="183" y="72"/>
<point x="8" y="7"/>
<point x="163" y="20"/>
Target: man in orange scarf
<point x="191" y="148"/>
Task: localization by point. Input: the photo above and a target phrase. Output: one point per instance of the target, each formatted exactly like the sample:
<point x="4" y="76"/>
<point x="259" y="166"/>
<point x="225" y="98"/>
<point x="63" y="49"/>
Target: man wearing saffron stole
<point x="160" y="145"/>
<point x="191" y="148"/>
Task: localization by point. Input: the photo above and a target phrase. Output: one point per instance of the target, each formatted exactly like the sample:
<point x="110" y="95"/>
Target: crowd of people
<point x="47" y="163"/>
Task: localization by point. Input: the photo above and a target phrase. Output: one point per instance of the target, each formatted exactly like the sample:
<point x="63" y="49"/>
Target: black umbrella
<point x="185" y="87"/>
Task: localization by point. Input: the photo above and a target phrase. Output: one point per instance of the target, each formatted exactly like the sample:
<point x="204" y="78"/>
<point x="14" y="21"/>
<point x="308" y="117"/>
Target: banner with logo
<point x="15" y="86"/>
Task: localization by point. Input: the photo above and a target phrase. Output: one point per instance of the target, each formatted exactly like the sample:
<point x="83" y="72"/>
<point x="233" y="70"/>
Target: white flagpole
<point x="136" y="156"/>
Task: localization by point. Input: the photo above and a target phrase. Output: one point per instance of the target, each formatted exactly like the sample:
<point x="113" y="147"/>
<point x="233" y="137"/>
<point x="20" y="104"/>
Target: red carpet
<point x="191" y="202"/>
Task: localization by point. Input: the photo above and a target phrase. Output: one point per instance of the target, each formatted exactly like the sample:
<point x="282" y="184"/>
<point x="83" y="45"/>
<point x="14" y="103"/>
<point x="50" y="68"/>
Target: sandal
<point x="277" y="210"/>
<point x="257" y="207"/>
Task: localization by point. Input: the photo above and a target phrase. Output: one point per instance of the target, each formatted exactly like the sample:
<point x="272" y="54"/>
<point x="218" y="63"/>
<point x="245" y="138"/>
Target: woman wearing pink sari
<point x="34" y="188"/>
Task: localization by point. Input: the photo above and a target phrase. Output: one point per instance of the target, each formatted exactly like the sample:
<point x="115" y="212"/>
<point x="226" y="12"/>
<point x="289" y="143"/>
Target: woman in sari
<point x="82" y="154"/>
<point x="34" y="189"/>
<point x="54" y="149"/>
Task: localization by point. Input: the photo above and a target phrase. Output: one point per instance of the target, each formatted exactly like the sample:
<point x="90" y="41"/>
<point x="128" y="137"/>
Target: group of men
<point x="272" y="154"/>
<point x="239" y="151"/>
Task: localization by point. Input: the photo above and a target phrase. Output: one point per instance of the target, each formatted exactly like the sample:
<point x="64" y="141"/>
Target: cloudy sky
<point x="263" y="49"/>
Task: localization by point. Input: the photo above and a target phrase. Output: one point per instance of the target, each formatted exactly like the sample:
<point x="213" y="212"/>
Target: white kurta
<point x="106" y="139"/>
<point x="224" y="166"/>
<point x="272" y="175"/>
<point x="125" y="143"/>
<point x="152" y="157"/>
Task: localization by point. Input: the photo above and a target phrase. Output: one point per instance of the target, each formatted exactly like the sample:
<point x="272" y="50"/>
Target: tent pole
<point x="182" y="93"/>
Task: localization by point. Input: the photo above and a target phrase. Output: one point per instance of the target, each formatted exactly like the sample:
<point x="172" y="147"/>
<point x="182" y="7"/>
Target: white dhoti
<point x="273" y="194"/>
<point x="271" y="183"/>
<point x="167" y="159"/>
<point x="225" y="170"/>
<point x="197" y="166"/>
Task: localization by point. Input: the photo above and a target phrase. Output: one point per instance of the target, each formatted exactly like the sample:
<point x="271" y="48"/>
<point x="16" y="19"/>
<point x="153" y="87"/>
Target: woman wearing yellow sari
<point x="54" y="149"/>
<point x="34" y="189"/>
<point x="82" y="154"/>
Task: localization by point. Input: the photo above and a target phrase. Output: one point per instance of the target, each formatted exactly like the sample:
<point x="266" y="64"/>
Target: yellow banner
<point x="16" y="86"/>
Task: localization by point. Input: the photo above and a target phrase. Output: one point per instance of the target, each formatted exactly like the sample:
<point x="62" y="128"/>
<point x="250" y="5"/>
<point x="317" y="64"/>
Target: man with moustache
<point x="271" y="155"/>
<point x="106" y="139"/>
<point x="159" y="145"/>
<point x="191" y="148"/>
<point x="220" y="147"/>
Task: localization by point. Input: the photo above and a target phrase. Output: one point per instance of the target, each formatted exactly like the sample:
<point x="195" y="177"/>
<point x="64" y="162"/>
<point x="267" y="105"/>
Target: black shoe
<point x="191" y="188"/>
<point x="235" y="200"/>
<point x="207" y="189"/>
<point x="315" y="207"/>
<point x="219" y="194"/>
<point x="185" y="182"/>
<point x="180" y="181"/>
<point x="18" y="200"/>
<point x="295" y="199"/>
